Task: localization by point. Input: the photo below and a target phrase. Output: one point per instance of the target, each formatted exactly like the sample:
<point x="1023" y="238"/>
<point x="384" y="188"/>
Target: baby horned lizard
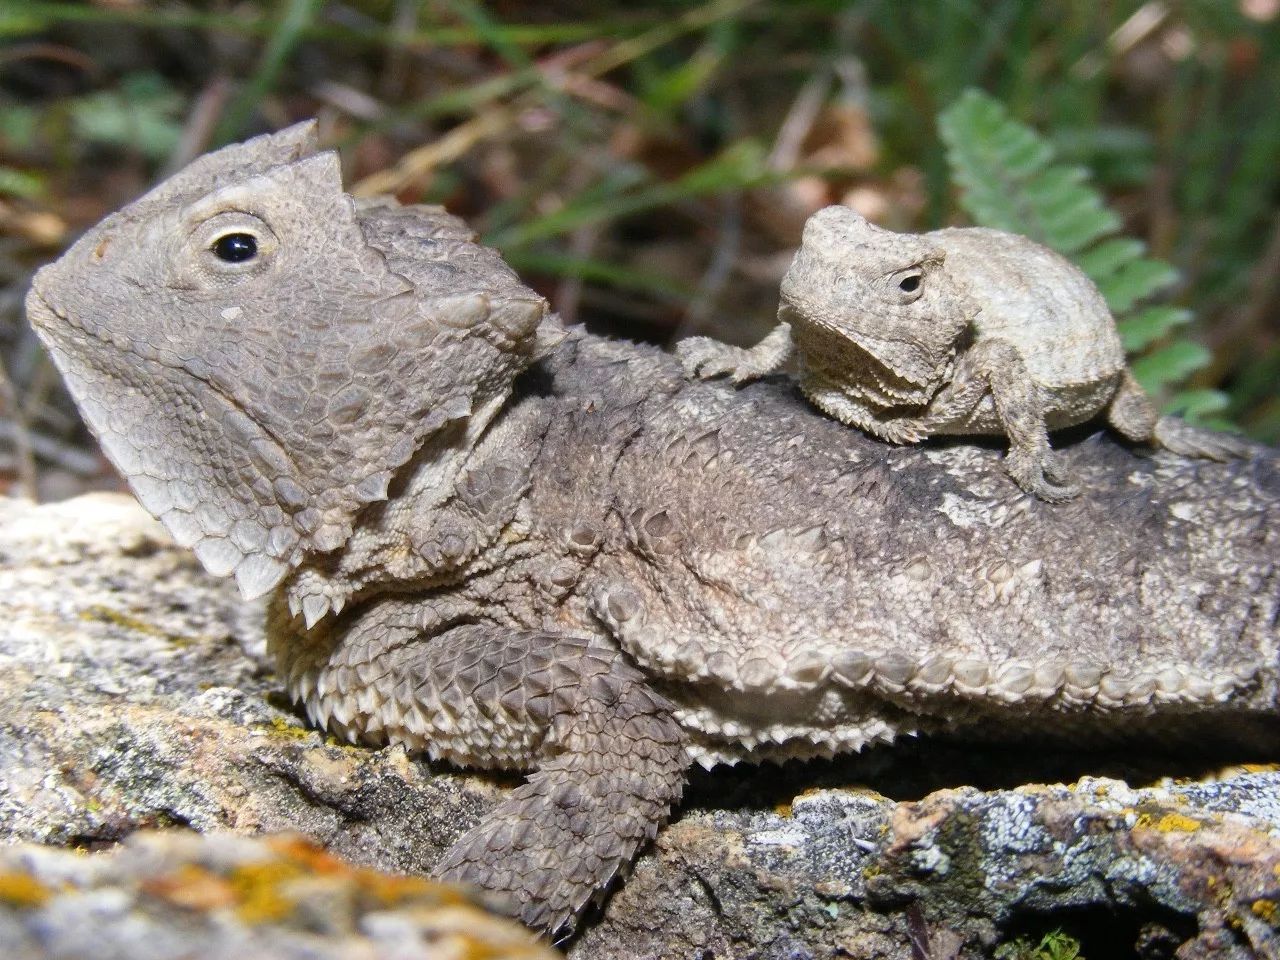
<point x="959" y="331"/>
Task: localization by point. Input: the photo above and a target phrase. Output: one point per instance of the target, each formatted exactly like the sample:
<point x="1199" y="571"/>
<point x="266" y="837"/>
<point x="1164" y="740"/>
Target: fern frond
<point x="1150" y="325"/>
<point x="1009" y="179"/>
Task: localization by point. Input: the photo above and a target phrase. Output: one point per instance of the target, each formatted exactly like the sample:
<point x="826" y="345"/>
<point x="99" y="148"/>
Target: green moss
<point x="103" y="614"/>
<point x="1055" y="945"/>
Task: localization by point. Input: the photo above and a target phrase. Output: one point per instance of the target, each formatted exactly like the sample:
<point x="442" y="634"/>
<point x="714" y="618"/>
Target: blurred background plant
<point x="648" y="165"/>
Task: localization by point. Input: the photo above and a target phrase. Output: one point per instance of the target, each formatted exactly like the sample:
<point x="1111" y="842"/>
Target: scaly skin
<point x="960" y="331"/>
<point x="509" y="545"/>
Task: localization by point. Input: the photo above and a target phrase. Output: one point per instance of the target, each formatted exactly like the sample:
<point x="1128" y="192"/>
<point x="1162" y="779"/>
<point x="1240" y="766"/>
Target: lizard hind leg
<point x="612" y="766"/>
<point x="1132" y="414"/>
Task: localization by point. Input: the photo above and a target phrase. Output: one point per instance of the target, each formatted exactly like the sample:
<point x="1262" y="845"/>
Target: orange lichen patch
<point x="1268" y="910"/>
<point x="390" y="890"/>
<point x="383" y="888"/>
<point x="1169" y="823"/>
<point x="307" y="855"/>
<point x="192" y="887"/>
<point x="22" y="890"/>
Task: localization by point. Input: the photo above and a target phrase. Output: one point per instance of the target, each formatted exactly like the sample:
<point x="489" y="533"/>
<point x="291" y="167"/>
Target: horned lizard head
<point x="888" y="293"/>
<point x="258" y="360"/>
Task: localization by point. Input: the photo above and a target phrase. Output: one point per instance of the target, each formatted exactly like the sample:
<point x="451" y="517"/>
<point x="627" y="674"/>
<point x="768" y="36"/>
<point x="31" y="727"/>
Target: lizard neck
<point x="861" y="374"/>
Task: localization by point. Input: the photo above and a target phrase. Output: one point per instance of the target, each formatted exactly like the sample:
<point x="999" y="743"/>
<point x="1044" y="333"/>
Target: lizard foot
<point x="704" y="358"/>
<point x="903" y="431"/>
<point x="1042" y="475"/>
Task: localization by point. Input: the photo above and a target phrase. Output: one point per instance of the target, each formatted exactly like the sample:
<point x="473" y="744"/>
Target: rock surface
<point x="137" y="695"/>
<point x="175" y="894"/>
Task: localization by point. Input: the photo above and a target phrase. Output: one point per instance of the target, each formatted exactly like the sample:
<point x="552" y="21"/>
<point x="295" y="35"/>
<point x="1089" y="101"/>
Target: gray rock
<point x="137" y="695"/>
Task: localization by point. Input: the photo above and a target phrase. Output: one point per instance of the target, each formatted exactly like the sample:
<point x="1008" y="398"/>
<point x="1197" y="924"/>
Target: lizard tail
<point x="1175" y="434"/>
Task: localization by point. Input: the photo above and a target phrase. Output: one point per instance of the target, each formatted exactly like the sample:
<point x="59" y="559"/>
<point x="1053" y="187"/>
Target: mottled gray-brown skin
<point x="515" y="546"/>
<point x="960" y="331"/>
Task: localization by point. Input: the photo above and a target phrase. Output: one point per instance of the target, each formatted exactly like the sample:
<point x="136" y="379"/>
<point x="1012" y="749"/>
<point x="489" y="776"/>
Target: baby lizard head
<point x="257" y="361"/>
<point x="887" y="293"/>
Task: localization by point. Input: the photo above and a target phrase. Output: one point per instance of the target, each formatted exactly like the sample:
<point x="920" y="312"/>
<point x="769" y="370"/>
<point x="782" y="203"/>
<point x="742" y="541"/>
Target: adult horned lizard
<point x="507" y="544"/>
<point x="959" y="331"/>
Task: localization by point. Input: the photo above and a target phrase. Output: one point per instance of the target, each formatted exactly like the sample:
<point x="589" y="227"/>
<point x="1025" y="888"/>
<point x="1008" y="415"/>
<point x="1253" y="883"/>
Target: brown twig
<point x="723" y="258"/>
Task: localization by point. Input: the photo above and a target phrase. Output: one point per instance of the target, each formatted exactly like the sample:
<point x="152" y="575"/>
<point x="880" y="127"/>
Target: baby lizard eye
<point x="905" y="286"/>
<point x="235" y="247"/>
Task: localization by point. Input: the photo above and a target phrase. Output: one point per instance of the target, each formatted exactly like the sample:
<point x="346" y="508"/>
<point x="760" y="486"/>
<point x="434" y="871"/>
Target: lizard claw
<point x="1041" y="475"/>
<point x="903" y="431"/>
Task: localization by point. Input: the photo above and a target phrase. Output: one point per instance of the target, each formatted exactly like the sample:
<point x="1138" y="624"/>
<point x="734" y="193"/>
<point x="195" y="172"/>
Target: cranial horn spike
<point x="462" y="312"/>
<point x="519" y="318"/>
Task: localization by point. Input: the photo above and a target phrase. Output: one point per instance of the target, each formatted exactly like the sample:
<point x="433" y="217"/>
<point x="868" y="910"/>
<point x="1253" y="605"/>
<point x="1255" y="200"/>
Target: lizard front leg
<point x="997" y="366"/>
<point x="608" y="757"/>
<point x="705" y="357"/>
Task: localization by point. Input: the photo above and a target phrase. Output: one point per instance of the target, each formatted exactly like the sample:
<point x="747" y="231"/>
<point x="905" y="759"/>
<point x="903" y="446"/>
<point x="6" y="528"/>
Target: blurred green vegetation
<point x="648" y="165"/>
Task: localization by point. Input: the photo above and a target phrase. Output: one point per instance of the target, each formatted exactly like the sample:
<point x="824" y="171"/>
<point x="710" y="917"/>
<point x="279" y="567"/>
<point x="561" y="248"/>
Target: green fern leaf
<point x="1009" y="179"/>
<point x="1136" y="281"/>
<point x="1105" y="258"/>
<point x="1169" y="364"/>
<point x="1140" y="330"/>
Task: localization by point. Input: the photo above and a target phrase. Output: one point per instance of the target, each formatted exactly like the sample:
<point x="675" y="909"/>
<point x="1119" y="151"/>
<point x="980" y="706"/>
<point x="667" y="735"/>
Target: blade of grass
<point x="599" y="271"/>
<point x="418" y="163"/>
<point x="298" y="15"/>
<point x="520" y="82"/>
<point x="32" y="15"/>
<point x="491" y="33"/>
<point x="742" y="165"/>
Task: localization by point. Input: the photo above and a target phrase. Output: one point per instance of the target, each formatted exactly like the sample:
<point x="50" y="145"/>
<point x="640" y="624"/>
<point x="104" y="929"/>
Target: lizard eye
<point x="907" y="285"/>
<point x="230" y="247"/>
<point x="235" y="247"/>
